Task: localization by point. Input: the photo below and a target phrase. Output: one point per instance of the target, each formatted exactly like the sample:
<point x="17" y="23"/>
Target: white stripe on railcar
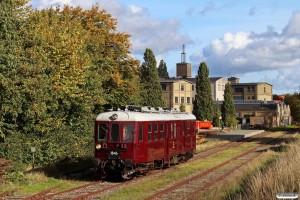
<point x="140" y="116"/>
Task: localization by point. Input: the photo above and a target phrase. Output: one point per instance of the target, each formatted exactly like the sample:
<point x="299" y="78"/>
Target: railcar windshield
<point x="114" y="132"/>
<point x="102" y="132"/>
<point x="128" y="132"/>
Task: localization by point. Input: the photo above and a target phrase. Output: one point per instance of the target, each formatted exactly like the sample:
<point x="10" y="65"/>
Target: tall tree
<point x="58" y="67"/>
<point x="203" y="103"/>
<point x="228" y="109"/>
<point x="151" y="91"/>
<point x="12" y="21"/>
<point x="217" y="114"/>
<point x="162" y="70"/>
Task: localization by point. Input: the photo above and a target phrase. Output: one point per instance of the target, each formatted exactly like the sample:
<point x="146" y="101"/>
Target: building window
<point x="223" y="87"/>
<point x="238" y="90"/>
<point x="182" y="87"/>
<point x="219" y="87"/>
<point x="163" y="86"/>
<point x="176" y="99"/>
<point x="193" y="87"/>
<point x="182" y="100"/>
<point x="188" y="100"/>
<point x="264" y="89"/>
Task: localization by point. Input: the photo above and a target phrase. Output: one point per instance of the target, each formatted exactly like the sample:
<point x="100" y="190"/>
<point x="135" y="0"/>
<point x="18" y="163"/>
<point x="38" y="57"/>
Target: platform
<point x="233" y="135"/>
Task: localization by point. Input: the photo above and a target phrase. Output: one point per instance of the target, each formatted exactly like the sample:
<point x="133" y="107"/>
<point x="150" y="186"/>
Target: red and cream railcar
<point x="128" y="143"/>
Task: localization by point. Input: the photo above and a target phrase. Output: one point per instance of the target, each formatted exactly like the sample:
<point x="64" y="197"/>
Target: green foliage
<point x="217" y="114"/>
<point x="182" y="108"/>
<point x="203" y="103"/>
<point x="162" y="70"/>
<point x="293" y="100"/>
<point x="228" y="109"/>
<point x="15" y="174"/>
<point x="151" y="91"/>
<point x="58" y="68"/>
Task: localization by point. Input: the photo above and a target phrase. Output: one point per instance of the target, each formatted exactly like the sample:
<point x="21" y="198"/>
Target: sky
<point x="255" y="40"/>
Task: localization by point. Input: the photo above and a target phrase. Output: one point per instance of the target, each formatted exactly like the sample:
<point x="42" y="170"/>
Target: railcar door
<point x="141" y="155"/>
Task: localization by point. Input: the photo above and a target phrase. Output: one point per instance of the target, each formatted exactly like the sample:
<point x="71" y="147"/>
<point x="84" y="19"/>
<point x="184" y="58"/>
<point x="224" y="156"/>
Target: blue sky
<point x="257" y="41"/>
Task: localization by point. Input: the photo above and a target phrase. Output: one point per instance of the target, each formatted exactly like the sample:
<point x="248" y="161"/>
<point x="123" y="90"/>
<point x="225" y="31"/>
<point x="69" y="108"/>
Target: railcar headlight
<point x="98" y="146"/>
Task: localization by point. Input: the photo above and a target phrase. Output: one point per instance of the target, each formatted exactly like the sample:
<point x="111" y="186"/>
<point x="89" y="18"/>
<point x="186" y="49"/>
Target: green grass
<point x="285" y="128"/>
<point x="145" y="188"/>
<point x="37" y="182"/>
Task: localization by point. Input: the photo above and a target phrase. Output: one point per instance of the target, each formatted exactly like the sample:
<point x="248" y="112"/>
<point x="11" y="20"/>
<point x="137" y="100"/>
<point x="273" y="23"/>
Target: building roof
<point x="255" y="83"/>
<point x="172" y="80"/>
<point x="212" y="79"/>
<point x="254" y="105"/>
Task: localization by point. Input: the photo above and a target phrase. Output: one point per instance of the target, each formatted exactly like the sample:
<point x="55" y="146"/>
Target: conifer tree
<point x="203" y="103"/>
<point x="162" y="70"/>
<point x="151" y="91"/>
<point x="228" y="109"/>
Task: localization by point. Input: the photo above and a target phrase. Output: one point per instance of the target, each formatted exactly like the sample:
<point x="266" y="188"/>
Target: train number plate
<point x="114" y="154"/>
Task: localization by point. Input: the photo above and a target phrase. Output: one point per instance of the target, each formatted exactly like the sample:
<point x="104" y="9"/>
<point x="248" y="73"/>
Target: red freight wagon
<point x="137" y="139"/>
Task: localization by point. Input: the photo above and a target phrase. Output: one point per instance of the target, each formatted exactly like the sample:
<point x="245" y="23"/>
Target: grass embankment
<point x="280" y="175"/>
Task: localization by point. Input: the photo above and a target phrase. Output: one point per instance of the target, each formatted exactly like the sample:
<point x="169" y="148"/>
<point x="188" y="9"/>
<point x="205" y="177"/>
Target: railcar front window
<point x="102" y="132"/>
<point x="114" y="132"/>
<point x="128" y="133"/>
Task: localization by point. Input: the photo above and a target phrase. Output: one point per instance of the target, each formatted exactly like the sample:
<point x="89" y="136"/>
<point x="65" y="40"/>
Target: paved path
<point x="234" y="135"/>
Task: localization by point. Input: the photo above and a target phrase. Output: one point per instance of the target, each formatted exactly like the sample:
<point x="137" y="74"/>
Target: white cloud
<point x="242" y="53"/>
<point x="161" y="36"/>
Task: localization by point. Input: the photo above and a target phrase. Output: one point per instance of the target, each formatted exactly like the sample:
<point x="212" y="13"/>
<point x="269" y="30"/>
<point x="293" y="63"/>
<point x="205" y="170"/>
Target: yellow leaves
<point x="117" y="78"/>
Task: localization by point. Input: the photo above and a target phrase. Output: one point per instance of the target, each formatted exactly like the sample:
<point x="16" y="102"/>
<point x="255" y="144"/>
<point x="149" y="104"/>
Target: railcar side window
<point x="127" y="133"/>
<point x="140" y="132"/>
<point x="114" y="132"/>
<point x="155" y="131"/>
<point x="171" y="134"/>
<point x="175" y="130"/>
<point x="149" y="131"/>
<point x="102" y="132"/>
<point x="162" y="131"/>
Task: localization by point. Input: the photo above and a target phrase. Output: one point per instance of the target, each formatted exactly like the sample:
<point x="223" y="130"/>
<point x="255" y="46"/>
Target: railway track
<point x="192" y="187"/>
<point x="101" y="188"/>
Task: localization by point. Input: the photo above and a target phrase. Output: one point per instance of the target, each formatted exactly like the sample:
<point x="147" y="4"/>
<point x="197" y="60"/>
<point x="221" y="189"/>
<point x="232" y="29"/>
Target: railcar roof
<point x="142" y="116"/>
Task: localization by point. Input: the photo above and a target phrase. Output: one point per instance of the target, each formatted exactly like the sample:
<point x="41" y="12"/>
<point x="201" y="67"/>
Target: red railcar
<point x="137" y="139"/>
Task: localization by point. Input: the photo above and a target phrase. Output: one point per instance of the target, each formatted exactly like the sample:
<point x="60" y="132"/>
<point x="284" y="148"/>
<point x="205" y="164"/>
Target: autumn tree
<point x="58" y="68"/>
<point x="228" y="109"/>
<point x="293" y="100"/>
<point x="162" y="70"/>
<point x="151" y="91"/>
<point x="203" y="103"/>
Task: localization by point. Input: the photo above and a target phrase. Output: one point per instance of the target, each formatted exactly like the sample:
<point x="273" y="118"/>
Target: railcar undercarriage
<point x="118" y="170"/>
